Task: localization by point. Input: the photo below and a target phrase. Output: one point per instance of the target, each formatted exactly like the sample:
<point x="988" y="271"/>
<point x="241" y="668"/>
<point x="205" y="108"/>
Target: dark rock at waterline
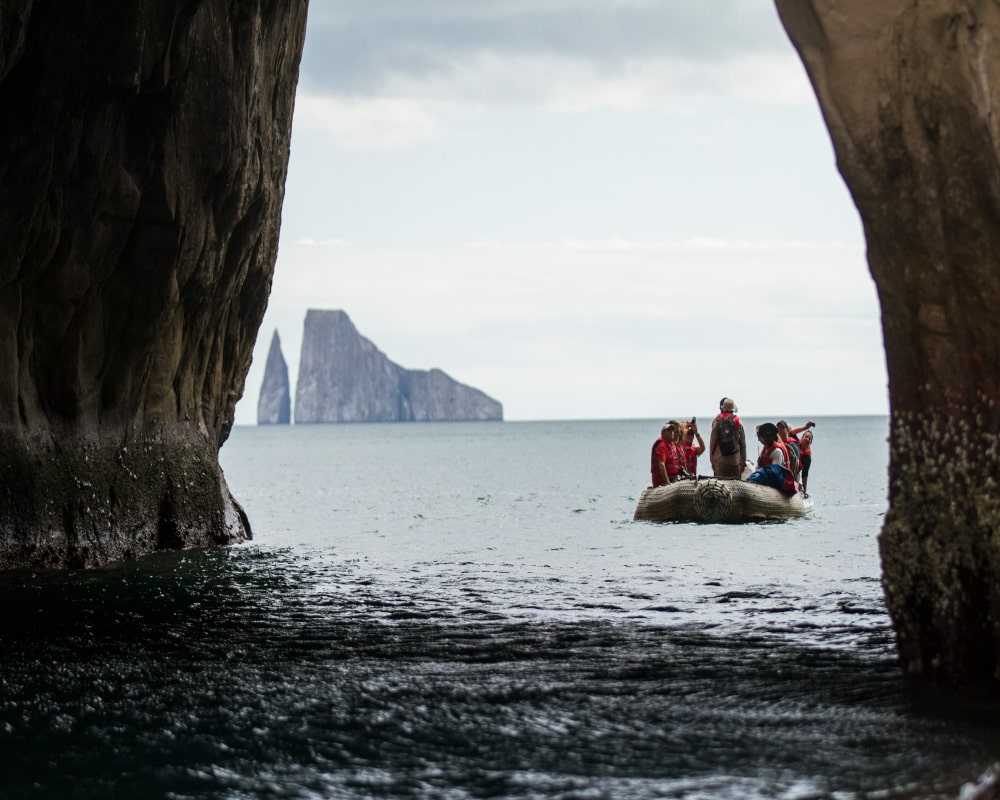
<point x="909" y="94"/>
<point x="143" y="152"/>
<point x="275" y="404"/>
<point x="343" y="377"/>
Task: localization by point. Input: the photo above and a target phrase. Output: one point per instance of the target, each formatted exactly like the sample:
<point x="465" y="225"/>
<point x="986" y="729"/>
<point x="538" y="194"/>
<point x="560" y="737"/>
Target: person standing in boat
<point x="806" y="457"/>
<point x="728" y="442"/>
<point x="689" y="431"/>
<point x="665" y="464"/>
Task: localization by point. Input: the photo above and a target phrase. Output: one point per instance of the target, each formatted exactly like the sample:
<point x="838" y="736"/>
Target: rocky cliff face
<point x="911" y="95"/>
<point x="432" y="395"/>
<point x="275" y="404"/>
<point x="143" y="151"/>
<point x="343" y="377"/>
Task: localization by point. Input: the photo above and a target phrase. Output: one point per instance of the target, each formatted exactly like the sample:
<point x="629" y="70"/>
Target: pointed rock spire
<point x="275" y="404"/>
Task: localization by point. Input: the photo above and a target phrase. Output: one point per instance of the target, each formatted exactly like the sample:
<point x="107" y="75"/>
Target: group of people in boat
<point x="785" y="455"/>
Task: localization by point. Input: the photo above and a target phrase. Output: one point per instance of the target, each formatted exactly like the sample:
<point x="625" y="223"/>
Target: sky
<point x="588" y="209"/>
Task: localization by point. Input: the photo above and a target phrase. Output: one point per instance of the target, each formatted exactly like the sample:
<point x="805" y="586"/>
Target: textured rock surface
<point x="343" y="377"/>
<point x="143" y="151"/>
<point x="910" y="95"/>
<point x="275" y="404"/>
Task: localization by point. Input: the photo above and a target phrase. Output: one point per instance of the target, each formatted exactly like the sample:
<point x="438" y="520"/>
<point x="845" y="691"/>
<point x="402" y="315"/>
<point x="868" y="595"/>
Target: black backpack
<point x="726" y="436"/>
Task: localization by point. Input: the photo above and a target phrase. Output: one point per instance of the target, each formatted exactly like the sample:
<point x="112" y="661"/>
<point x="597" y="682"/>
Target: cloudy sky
<point x="585" y="208"/>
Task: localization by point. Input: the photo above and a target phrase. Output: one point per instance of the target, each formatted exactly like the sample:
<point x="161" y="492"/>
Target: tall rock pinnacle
<point x="275" y="404"/>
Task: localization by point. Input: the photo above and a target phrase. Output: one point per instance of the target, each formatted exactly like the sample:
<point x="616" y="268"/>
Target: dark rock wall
<point x="274" y="406"/>
<point x="143" y="151"/>
<point x="911" y="95"/>
<point x="343" y="377"/>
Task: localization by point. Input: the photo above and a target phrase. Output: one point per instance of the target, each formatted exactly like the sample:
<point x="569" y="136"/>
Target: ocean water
<point x="467" y="610"/>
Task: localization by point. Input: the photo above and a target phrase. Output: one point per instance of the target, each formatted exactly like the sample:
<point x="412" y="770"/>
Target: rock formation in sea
<point x="343" y="377"/>
<point x="911" y="95"/>
<point x="143" y="152"/>
<point x="275" y="404"/>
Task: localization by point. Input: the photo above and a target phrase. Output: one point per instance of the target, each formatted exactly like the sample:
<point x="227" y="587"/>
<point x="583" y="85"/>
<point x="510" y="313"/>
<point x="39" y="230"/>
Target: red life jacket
<point x="765" y="456"/>
<point x="670" y="461"/>
<point x="790" y="485"/>
<point x="690" y="457"/>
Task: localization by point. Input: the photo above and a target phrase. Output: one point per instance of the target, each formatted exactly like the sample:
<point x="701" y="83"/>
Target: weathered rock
<point x="143" y="152"/>
<point x="910" y="95"/>
<point x="343" y="377"/>
<point x="429" y="395"/>
<point x="275" y="404"/>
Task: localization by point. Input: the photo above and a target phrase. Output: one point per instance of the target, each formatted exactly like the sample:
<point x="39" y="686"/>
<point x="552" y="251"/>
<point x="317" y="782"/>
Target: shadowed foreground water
<point x="207" y="675"/>
<point x="468" y="611"/>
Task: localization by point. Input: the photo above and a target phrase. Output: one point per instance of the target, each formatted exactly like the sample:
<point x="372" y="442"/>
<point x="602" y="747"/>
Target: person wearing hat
<point x="727" y="447"/>
<point x="664" y="463"/>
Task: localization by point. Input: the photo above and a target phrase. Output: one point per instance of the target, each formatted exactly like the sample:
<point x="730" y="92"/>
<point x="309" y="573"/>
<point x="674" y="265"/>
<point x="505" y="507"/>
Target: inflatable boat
<point x="719" y="500"/>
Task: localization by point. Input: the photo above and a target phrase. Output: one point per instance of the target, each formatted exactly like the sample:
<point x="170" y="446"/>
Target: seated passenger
<point x="664" y="461"/>
<point x="774" y="451"/>
<point x="772" y="466"/>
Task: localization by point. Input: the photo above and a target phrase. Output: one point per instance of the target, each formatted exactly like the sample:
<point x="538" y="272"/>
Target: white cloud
<point x="412" y="110"/>
<point x="386" y="75"/>
<point x="604" y="329"/>
<point x="556" y="122"/>
<point x="377" y="123"/>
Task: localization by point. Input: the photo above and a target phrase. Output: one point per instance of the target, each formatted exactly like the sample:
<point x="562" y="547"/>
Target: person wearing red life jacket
<point x="689" y="431"/>
<point x="805" y="458"/>
<point x="791" y="442"/>
<point x="772" y="465"/>
<point x="774" y="451"/>
<point x="793" y="446"/>
<point x="665" y="465"/>
<point x="727" y="447"/>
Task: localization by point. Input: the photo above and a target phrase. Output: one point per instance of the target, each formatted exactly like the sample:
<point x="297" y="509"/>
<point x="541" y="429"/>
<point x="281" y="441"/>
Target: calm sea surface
<point x="468" y="611"/>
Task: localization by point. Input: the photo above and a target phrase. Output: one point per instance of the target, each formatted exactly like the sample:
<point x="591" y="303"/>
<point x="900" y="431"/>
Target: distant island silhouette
<point x="344" y="377"/>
